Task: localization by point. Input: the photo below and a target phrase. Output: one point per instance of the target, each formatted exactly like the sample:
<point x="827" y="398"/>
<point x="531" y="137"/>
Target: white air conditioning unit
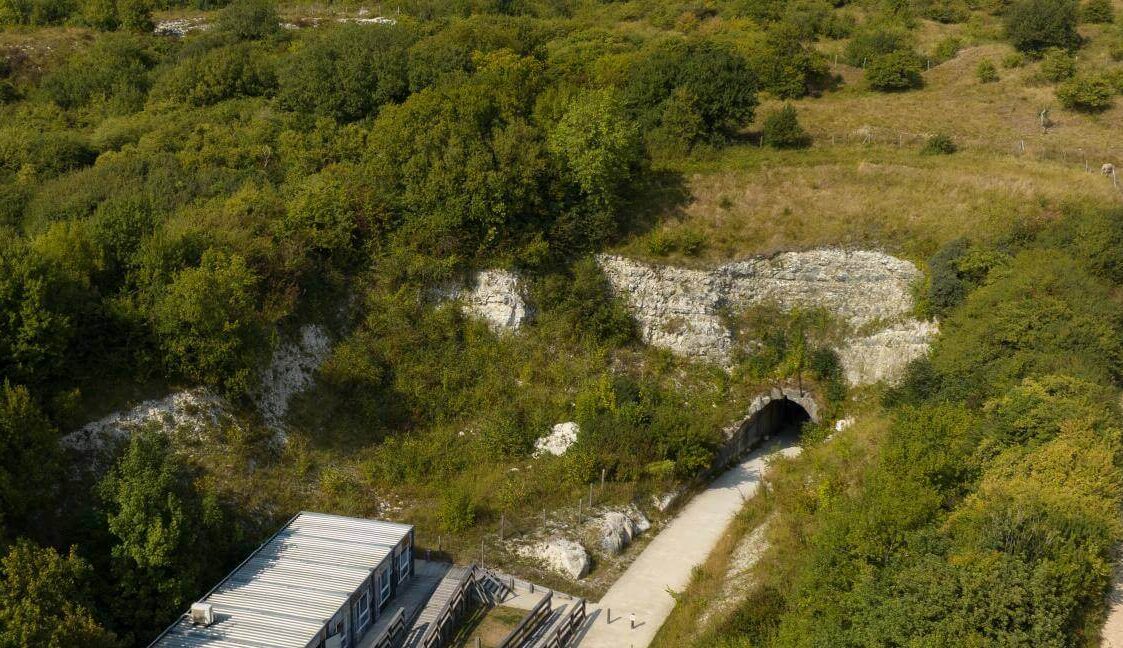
<point x="202" y="614"/>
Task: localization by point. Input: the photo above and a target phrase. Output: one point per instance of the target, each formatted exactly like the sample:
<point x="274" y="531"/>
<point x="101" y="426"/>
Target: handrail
<point x="528" y="624"/>
<point x="390" y="632"/>
<point x="434" y="634"/>
<point x="565" y="630"/>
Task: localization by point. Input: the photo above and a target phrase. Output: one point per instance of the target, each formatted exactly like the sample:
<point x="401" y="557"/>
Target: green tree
<point x="45" y="600"/>
<point x="894" y="72"/>
<point x="1092" y="93"/>
<point x="598" y="145"/>
<point x="168" y="537"/>
<point x="30" y="466"/>
<point x="1057" y="64"/>
<point x="348" y="72"/>
<point x="782" y="129"/>
<point x="100" y="14"/>
<point x="207" y="322"/>
<point x="239" y="70"/>
<point x="135" y="15"/>
<point x="1098" y="11"/>
<point x="249" y="19"/>
<point x="1036" y="25"/>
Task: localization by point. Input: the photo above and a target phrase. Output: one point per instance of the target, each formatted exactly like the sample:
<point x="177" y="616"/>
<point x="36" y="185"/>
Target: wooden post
<point x="543" y="520"/>
<point x="502" y="521"/>
<point x="602" y="473"/>
<point x="590" y="497"/>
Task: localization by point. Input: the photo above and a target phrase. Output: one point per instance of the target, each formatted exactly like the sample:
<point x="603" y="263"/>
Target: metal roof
<point x="285" y="592"/>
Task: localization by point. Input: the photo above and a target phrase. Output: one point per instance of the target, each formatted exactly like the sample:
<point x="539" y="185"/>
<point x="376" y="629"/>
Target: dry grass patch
<point x="752" y="201"/>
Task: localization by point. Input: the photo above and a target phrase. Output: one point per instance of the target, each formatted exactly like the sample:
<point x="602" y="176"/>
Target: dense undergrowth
<point x="170" y="208"/>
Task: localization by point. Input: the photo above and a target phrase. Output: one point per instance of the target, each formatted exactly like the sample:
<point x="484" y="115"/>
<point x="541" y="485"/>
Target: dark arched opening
<point x="771" y="420"/>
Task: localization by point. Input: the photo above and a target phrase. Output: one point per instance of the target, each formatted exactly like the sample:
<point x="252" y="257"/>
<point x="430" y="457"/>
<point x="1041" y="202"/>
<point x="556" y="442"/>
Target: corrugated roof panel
<point x="292" y="585"/>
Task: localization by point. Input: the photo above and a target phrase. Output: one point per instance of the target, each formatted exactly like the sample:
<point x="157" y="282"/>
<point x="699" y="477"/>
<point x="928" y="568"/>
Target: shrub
<point x="208" y="324"/>
<point x="947" y="48"/>
<point x="457" y="511"/>
<point x="249" y="19"/>
<point x="875" y="42"/>
<point x="986" y="72"/>
<point x="1116" y="51"/>
<point x="1098" y="12"/>
<point x="894" y="72"/>
<point x="1086" y="94"/>
<point x="346" y="73"/>
<point x="1013" y="60"/>
<point x="1057" y="65"/>
<point x="782" y="129"/>
<point x="785" y="65"/>
<point x="939" y="144"/>
<point x="240" y="70"/>
<point x="1036" y="25"/>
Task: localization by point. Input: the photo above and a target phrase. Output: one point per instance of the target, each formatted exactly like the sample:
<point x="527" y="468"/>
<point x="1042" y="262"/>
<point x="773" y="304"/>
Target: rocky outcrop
<point x="619" y="528"/>
<point x="190" y="413"/>
<point x="683" y="309"/>
<point x="495" y="296"/>
<point x="291" y="371"/>
<point x="563" y="556"/>
<point x="559" y="439"/>
<point x="885" y="354"/>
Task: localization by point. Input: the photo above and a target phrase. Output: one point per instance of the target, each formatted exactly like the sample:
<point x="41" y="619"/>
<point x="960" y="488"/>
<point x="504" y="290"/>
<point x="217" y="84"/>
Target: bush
<point x="1036" y="25"/>
<point x="1116" y="51"/>
<point x="939" y="144"/>
<point x="1013" y="60"/>
<point x="894" y="72"/>
<point x="1057" y="65"/>
<point x="1086" y="94"/>
<point x="874" y="42"/>
<point x="457" y="511"/>
<point x="783" y="131"/>
<point x="1098" y="12"/>
<point x="249" y="19"/>
<point x="985" y="71"/>
<point x="240" y="70"/>
<point x="346" y="73"/>
<point x="947" y="48"/>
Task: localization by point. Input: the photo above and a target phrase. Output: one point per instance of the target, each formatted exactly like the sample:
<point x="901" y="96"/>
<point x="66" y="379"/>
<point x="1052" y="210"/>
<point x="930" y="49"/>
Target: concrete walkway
<point x="666" y="563"/>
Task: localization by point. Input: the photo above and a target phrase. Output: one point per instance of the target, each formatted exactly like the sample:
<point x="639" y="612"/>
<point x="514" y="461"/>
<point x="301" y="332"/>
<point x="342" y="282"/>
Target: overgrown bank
<point x="984" y="509"/>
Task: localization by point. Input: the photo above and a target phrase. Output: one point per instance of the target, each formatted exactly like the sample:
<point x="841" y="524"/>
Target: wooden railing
<point x="390" y="633"/>
<point x="441" y="628"/>
<point x="528" y="624"/>
<point x="565" y="631"/>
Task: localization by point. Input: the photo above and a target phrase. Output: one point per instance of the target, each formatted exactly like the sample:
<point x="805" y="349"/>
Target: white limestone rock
<point x="495" y="296"/>
<point x="617" y="532"/>
<point x="620" y="528"/>
<point x="290" y="372"/>
<point x="884" y="355"/>
<point x="559" y="439"/>
<point x="191" y="413"/>
<point x="180" y="27"/>
<point x="563" y="556"/>
<point x="681" y="309"/>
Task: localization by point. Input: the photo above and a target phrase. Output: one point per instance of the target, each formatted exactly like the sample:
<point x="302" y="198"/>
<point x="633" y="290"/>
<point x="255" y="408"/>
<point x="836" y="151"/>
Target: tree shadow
<point x="660" y="195"/>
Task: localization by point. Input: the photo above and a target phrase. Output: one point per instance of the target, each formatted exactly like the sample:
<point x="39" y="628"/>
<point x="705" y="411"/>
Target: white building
<point x="319" y="582"/>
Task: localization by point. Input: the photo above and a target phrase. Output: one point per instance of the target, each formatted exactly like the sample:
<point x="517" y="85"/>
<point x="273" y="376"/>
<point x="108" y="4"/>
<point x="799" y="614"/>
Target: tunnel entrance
<point x="777" y="417"/>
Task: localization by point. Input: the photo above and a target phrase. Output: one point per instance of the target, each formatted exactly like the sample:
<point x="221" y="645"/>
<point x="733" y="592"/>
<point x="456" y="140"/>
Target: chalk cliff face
<point x="495" y="296"/>
<point x="681" y="309"/>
